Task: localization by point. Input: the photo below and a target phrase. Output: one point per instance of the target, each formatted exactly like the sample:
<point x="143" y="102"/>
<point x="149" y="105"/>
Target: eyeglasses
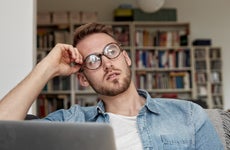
<point x="94" y="61"/>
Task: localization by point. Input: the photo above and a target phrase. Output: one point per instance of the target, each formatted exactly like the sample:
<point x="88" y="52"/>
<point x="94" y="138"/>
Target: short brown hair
<point x="90" y="28"/>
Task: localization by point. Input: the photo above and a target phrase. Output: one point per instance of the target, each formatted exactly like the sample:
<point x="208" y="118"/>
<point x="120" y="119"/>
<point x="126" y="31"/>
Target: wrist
<point x="45" y="70"/>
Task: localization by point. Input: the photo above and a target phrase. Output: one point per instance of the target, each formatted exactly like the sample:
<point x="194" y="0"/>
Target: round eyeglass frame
<point x="99" y="55"/>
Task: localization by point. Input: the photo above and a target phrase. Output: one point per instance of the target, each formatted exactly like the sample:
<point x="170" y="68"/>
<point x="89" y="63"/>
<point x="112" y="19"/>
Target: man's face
<point x="114" y="75"/>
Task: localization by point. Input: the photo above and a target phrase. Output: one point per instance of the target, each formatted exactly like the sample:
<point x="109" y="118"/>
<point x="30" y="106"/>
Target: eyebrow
<point x="102" y="50"/>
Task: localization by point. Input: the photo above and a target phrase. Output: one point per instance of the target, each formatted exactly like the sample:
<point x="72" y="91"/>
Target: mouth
<point x="111" y="76"/>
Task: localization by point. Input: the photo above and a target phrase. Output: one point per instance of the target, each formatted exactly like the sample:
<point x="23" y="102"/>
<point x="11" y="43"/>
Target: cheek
<point x="127" y="58"/>
<point x="94" y="75"/>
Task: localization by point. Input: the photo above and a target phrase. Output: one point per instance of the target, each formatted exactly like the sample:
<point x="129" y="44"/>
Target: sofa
<point x="221" y="122"/>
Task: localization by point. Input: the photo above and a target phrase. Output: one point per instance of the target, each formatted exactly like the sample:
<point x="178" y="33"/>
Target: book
<point x="75" y="17"/>
<point x="215" y="77"/>
<point x="163" y="59"/>
<point x="201" y="77"/>
<point x="61" y="36"/>
<point x="139" y="37"/>
<point x="202" y="91"/>
<point x="215" y="53"/>
<point x="121" y="33"/>
<point x="88" y="16"/>
<point x="86" y="101"/>
<point x="172" y="59"/>
<point x="217" y="100"/>
<point x="60" y="17"/>
<point x="43" y="18"/>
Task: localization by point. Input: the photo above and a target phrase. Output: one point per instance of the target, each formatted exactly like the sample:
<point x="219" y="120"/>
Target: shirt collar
<point x="93" y="113"/>
<point x="150" y="103"/>
<point x="100" y="107"/>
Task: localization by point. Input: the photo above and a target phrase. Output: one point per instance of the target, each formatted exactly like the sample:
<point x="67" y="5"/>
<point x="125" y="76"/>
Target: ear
<point x="82" y="79"/>
<point x="127" y="58"/>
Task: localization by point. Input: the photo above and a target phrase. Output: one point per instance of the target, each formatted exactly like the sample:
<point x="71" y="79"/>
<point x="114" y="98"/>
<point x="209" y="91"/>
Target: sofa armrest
<point x="31" y="117"/>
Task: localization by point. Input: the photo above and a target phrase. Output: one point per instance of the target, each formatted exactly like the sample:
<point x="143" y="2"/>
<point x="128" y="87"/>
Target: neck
<point x="127" y="103"/>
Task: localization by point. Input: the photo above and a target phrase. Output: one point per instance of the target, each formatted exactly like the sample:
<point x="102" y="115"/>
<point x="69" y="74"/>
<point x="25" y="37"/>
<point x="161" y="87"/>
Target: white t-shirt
<point x="126" y="133"/>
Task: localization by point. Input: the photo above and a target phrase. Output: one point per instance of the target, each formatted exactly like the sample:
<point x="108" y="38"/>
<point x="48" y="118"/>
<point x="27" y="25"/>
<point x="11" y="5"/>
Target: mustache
<point x="111" y="69"/>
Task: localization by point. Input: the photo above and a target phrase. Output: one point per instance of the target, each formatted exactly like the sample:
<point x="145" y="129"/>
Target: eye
<point x="92" y="61"/>
<point x="111" y="51"/>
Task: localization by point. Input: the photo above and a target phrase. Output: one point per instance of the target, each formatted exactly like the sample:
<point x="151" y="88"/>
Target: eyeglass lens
<point x="94" y="61"/>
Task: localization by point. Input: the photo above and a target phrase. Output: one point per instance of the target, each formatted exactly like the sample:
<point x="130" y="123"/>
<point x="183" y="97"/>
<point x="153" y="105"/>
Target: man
<point x="139" y="122"/>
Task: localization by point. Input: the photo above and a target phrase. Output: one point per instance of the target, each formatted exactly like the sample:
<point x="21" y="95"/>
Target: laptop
<point x="42" y="135"/>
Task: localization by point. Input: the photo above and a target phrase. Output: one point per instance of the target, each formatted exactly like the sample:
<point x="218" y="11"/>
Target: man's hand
<point x="61" y="59"/>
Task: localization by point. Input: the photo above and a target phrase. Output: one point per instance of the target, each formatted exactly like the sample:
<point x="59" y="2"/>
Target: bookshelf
<point x="57" y="92"/>
<point x="208" y="75"/>
<point x="163" y="63"/>
<point x="162" y="59"/>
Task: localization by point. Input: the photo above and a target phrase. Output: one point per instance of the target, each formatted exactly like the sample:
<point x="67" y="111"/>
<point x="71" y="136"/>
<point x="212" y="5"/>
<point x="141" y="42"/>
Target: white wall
<point x="17" y="38"/>
<point x="208" y="18"/>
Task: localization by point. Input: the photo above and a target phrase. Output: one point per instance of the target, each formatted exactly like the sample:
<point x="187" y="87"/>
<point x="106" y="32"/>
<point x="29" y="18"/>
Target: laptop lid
<point x="41" y="135"/>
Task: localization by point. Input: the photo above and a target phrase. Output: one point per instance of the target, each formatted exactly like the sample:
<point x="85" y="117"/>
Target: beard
<point x="117" y="86"/>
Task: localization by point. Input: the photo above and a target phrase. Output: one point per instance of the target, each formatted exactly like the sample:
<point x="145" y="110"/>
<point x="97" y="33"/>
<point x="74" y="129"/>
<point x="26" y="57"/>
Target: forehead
<point x="94" y="43"/>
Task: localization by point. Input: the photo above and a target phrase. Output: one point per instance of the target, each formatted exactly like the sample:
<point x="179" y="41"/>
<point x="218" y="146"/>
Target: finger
<point x="73" y="54"/>
<point x="70" y="50"/>
<point x="79" y="58"/>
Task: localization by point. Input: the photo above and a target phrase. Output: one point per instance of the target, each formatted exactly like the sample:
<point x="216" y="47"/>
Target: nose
<point x="106" y="63"/>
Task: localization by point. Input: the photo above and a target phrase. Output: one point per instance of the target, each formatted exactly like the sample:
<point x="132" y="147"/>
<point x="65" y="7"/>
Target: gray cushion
<point x="225" y="116"/>
<point x="221" y="122"/>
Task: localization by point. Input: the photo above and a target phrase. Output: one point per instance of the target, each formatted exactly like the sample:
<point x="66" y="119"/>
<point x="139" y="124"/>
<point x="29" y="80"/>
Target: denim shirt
<point x="163" y="124"/>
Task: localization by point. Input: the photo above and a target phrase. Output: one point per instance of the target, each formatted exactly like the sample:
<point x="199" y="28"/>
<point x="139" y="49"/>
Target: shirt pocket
<point x="176" y="142"/>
